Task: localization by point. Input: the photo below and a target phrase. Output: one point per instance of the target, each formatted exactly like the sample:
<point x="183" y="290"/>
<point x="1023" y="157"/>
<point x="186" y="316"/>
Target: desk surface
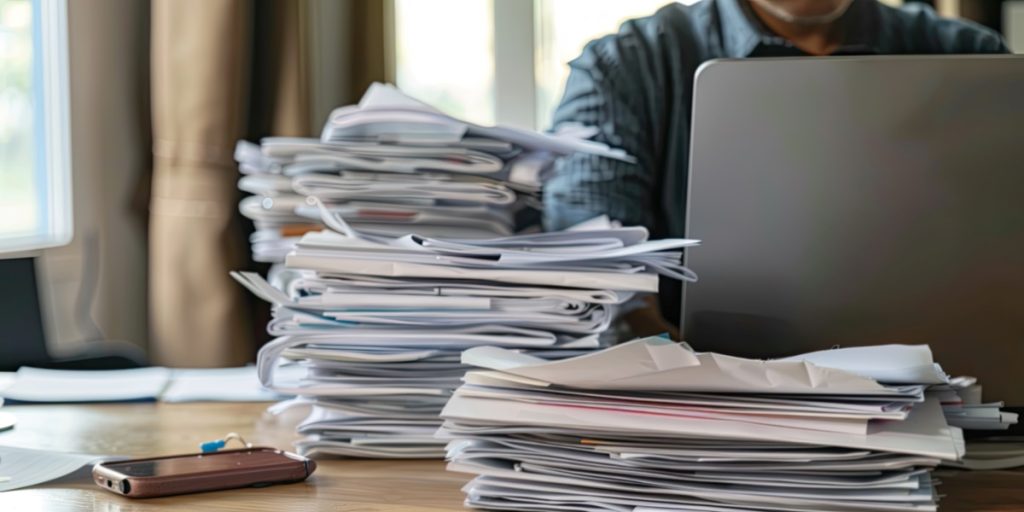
<point x="353" y="485"/>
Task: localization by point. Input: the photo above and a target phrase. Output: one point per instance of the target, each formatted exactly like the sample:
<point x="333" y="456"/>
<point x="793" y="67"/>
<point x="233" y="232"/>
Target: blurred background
<point x="156" y="226"/>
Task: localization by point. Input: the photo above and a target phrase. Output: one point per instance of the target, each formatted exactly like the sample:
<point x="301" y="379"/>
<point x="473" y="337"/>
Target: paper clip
<point x="213" y="446"/>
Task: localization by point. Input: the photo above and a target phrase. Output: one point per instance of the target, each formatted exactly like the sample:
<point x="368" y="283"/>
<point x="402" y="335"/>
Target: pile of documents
<point x="430" y="249"/>
<point x="964" y="408"/>
<point x="380" y="322"/>
<point x="651" y="425"/>
<point x="392" y="166"/>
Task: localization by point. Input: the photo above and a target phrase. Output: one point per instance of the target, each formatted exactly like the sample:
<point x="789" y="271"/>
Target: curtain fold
<point x="223" y="70"/>
<point x="368" y="34"/>
<point x="200" y="74"/>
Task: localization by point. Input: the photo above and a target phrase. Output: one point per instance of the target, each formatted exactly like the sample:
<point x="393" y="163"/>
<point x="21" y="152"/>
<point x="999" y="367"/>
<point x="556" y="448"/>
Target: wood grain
<point x="162" y="429"/>
<point x="338" y="485"/>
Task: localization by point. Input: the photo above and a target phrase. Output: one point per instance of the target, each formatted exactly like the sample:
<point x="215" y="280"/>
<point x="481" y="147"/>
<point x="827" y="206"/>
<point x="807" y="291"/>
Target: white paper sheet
<point x="899" y="364"/>
<point x="54" y="386"/>
<point x="7" y="421"/>
<point x="924" y="432"/>
<point x="662" y="365"/>
<point x="643" y="282"/>
<point x="20" y="467"/>
<point x="385" y="114"/>
<point x="155" y="383"/>
<point x="224" y="385"/>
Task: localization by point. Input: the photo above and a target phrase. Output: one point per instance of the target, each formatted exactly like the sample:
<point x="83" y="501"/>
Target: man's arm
<point x="948" y="35"/>
<point x="605" y="91"/>
<point x="601" y="93"/>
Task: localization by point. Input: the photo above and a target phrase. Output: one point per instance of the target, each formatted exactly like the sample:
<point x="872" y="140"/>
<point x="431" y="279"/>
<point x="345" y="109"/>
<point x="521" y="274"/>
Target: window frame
<point x="52" y="132"/>
<point x="515" y="70"/>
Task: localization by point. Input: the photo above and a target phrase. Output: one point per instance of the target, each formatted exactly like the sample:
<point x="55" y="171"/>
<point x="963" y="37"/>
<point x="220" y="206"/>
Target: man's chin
<point x="804" y="13"/>
<point x="817" y="19"/>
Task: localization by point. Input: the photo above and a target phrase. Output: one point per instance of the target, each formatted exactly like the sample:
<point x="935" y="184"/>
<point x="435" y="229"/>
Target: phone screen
<point x="189" y="464"/>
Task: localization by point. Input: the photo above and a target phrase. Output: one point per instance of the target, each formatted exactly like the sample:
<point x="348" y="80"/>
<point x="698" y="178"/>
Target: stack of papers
<point x="223" y="385"/>
<point x="380" y="322"/>
<point x="392" y="165"/>
<point x="651" y="425"/>
<point x="964" y="408"/>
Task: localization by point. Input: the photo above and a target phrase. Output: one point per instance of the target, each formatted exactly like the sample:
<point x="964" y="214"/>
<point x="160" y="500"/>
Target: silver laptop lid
<point x="855" y="201"/>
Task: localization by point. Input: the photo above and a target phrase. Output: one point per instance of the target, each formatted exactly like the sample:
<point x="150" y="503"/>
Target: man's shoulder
<point x="674" y="19"/>
<point x="919" y="29"/>
<point x="670" y="30"/>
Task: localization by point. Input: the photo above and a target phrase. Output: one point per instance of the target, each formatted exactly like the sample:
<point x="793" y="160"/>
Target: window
<point x="35" y="208"/>
<point x="444" y="55"/>
<point x="500" y="61"/>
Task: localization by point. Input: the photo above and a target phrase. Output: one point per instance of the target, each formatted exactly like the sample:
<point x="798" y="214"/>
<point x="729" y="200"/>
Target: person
<point x="636" y="88"/>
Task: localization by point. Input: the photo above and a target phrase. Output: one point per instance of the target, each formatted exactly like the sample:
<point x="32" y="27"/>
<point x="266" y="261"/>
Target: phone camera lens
<point x="125" y="487"/>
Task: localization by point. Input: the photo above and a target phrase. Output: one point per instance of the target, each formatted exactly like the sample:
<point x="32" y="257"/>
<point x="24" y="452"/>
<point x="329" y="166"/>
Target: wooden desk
<point x="342" y="485"/>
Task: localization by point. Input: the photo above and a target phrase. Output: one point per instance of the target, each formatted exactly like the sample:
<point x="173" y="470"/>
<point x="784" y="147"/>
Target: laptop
<point x="858" y="201"/>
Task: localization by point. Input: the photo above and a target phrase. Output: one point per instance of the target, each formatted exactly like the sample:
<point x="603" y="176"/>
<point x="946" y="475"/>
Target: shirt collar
<point x="742" y="32"/>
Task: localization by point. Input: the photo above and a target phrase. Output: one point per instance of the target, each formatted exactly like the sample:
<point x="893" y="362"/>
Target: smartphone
<point x="184" y="474"/>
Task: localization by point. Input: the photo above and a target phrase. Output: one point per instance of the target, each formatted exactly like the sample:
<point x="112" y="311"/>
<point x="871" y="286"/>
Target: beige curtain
<point x="222" y="70"/>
